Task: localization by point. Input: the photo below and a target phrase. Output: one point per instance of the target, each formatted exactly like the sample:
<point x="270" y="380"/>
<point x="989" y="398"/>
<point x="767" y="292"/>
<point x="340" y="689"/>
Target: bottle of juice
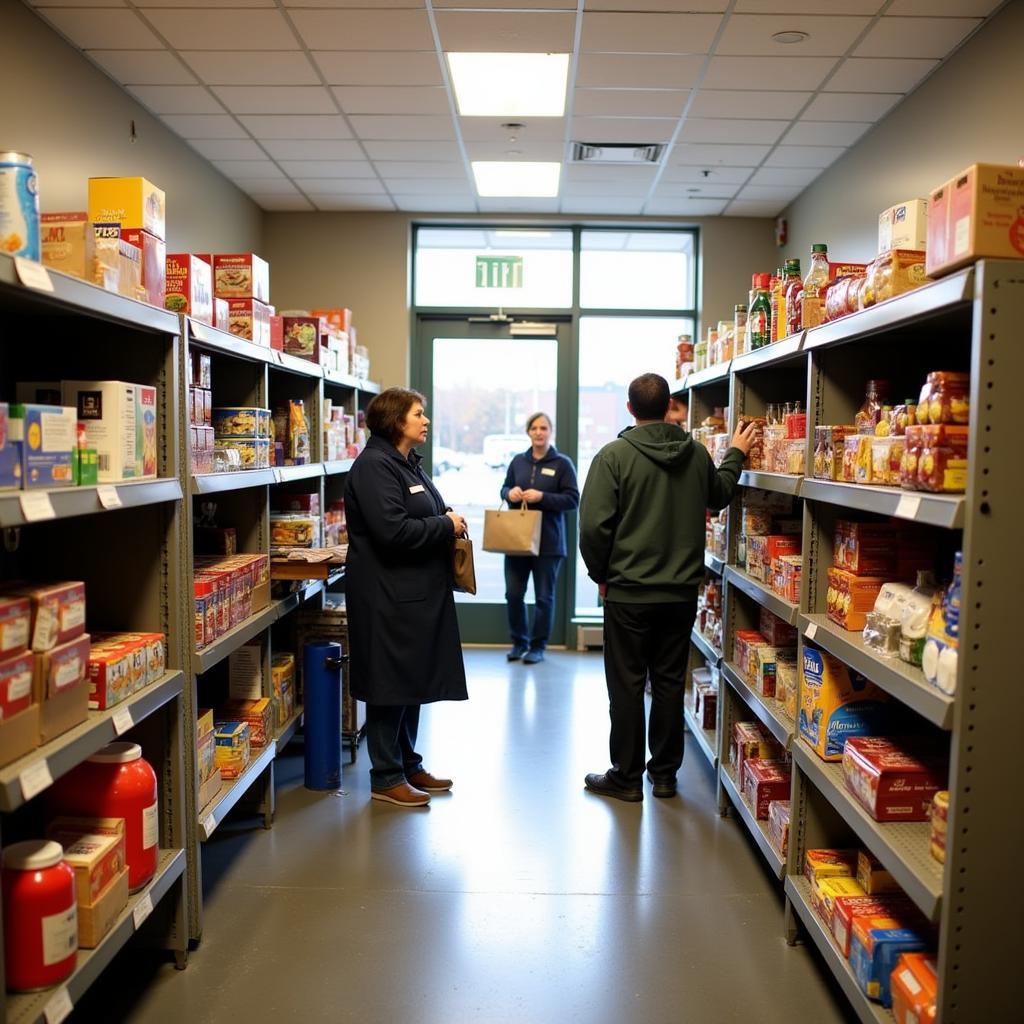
<point x="759" y="316"/>
<point x="739" y="329"/>
<point x="776" y="300"/>
<point x="813" y="299"/>
<point x="790" y="277"/>
<point x="794" y="293"/>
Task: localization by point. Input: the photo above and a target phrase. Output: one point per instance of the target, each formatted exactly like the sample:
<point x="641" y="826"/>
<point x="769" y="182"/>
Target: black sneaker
<point x="663" y="788"/>
<point x="517" y="652"/>
<point x="602" y="785"/>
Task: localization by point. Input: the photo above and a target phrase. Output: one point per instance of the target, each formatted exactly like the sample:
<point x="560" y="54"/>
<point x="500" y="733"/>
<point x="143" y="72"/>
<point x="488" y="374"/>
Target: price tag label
<point x="109" y="498"/>
<point x="36" y="506"/>
<point x="811" y="631"/>
<point x="59" y="1007"/>
<point x="908" y="506"/>
<point x="142" y="910"/>
<point x="209" y="825"/>
<point x="35" y="779"/>
<point x="32" y="274"/>
<point x="122" y="720"/>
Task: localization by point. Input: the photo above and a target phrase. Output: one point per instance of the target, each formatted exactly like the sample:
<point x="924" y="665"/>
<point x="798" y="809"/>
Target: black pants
<point x="642" y="640"/>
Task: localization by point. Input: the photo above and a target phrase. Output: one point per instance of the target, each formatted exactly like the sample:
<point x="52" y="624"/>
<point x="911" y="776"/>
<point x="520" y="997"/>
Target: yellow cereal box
<point x="128" y="202"/>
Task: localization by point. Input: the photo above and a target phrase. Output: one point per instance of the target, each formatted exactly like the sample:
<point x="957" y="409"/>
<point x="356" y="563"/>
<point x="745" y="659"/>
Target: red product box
<point x="777" y="632"/>
<point x="890" y="781"/>
<point x="302" y="336"/>
<point x="751" y="740"/>
<point x="189" y="288"/>
<point x="16" y="675"/>
<point x="823" y="863"/>
<point x="763" y="782"/>
<point x="205" y="613"/>
<point x="705" y="705"/>
<point x="277" y="332"/>
<point x="846" y="909"/>
<point x="241" y="276"/>
<point x="154" y="646"/>
<point x="340" y="319"/>
<point x="62" y="667"/>
<point x="868" y="549"/>
<point x="207" y="397"/>
<point x="58" y="612"/>
<point x="154" y="263"/>
<point x="850" y="597"/>
<point x="15" y="620"/>
<point x="110" y="672"/>
<point x="221" y="314"/>
<point x="249" y="319"/>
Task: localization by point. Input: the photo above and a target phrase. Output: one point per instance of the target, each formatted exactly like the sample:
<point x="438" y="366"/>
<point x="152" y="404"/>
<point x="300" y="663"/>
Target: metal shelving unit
<point x="232" y="790"/>
<point x="337" y="467"/>
<point x="707" y="741"/>
<point x="946" y="510"/>
<point x="704" y="646"/>
<point x="715" y="565"/>
<point x="757" y="828"/>
<point x="782" y="483"/>
<point x="736" y="577"/>
<point x="770" y="712"/>
<point x="68" y="502"/>
<point x="717" y="374"/>
<point x="783" y="351"/>
<point x="287" y="731"/>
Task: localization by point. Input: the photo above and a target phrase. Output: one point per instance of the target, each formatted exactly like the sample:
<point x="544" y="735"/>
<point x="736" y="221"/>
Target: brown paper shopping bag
<point x="512" y="531"/>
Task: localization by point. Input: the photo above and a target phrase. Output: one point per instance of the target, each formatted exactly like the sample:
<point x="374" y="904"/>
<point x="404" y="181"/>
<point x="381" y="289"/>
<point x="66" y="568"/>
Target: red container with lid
<point x="118" y="782"/>
<point x="40" y="915"/>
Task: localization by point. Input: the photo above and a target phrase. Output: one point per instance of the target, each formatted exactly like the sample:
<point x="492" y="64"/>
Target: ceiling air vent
<point x="616" y="153"/>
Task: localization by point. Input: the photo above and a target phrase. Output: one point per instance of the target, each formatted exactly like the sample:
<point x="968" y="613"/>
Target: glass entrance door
<point x="481" y="384"/>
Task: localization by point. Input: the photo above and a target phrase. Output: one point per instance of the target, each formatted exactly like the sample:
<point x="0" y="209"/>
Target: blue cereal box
<point x="875" y="946"/>
<point x="10" y="457"/>
<point x="44" y="436"/>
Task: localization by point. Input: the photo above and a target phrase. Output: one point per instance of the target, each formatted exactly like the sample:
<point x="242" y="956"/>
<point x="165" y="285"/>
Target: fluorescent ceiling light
<point x="518" y="178"/>
<point x="509" y="84"/>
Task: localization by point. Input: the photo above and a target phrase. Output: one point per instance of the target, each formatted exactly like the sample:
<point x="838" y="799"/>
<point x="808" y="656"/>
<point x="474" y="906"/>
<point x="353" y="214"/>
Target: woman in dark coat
<point x="404" y="639"/>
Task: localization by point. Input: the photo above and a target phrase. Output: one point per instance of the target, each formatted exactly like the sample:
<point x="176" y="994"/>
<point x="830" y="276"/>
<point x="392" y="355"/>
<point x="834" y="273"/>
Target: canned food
<point x="19" y="206"/>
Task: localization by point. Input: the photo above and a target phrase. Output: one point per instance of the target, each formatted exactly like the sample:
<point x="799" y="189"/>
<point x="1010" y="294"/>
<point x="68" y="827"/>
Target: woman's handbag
<point x="512" y="531"/>
<point x="462" y="564"/>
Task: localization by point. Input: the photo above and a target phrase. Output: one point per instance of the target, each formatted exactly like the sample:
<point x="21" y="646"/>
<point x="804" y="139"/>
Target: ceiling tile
<point x="747" y="103"/>
<point x="95" y="29"/>
<point x="436" y="204"/>
<point x="716" y="177"/>
<point x="698" y="6"/>
<point x="298" y="164"/>
<point x="282" y="204"/>
<point x="248" y="168"/>
<point x="610" y="172"/>
<point x="754" y="208"/>
<point x="74" y="3"/>
<point x="284" y="126"/>
<point x="505" y="31"/>
<point x="143" y="67"/>
<point x="648" y="33"/>
<point x="517" y="205"/>
<point x="637" y="71"/>
<point x="228" y="149"/>
<point x="677" y="189"/>
<point x="604" y="188"/>
<point x="794" y="177"/>
<point x="486" y="129"/>
<point x="771" y="192"/>
<point x="202" y="28"/>
<point x="192" y="3"/>
<point x="915" y="37"/>
<point x="692" y="154"/>
<point x="768" y="73"/>
<point x="204" y="126"/>
<point x="430" y="186"/>
<point x="945" y="8"/>
<point x="411" y="67"/>
<point x="340" y="186"/>
<point x="626" y="102"/>
<point x="364" y="29"/>
<point x="623" y="129"/>
<point x="354" y="3"/>
<point x="220" y="67"/>
<point x="686" y="207"/>
<point x="387" y="126"/>
<point x="804" y="156"/>
<point x="403" y="99"/>
<point x="809" y="6"/>
<point x="751" y="35"/>
<point x="548" y="5"/>
<point x="879" y="74"/>
<point x="266" y="99"/>
<point x="397" y="170"/>
<point x="543" y="150"/>
<point x="602" y="204"/>
<point x="731" y="130"/>
<point x="327" y="203"/>
<point x="430" y="150"/>
<point x="176" y="99"/>
<point x="851" y="106"/>
<point x="267" y="186"/>
<point x="825" y="133"/>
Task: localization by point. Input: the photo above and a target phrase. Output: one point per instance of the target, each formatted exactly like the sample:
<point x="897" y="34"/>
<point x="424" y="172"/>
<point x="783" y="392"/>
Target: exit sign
<point x="499" y="271"/>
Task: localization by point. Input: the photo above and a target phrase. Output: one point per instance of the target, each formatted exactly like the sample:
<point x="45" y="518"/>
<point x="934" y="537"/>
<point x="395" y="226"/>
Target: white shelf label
<point x="36" y="506"/>
<point x="35" y="779"/>
<point x="32" y="274"/>
<point x="109" y="498"/>
<point x="142" y="910"/>
<point x="279" y="475"/>
<point x="811" y="631"/>
<point x="59" y="1007"/>
<point x="908" y="506"/>
<point x="122" y="720"/>
<point x="209" y="825"/>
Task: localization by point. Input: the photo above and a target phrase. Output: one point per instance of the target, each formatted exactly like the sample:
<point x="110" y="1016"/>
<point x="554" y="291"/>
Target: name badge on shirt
<point x="417" y="489"/>
<point x="547" y="472"/>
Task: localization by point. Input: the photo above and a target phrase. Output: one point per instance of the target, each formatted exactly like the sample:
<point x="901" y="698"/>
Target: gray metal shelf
<point x="287" y="731"/>
<point x="286" y="474"/>
<point x="770" y="712"/>
<point x="288" y="363"/>
<point x="704" y="646"/>
<point x="716" y="565"/>
<point x="232" y="790"/>
<point x="342" y="380"/>
<point x="717" y="374"/>
<point x="786" y="350"/>
<point x="902" y="847"/>
<point x="31" y="1007"/>
<point x="903" y="681"/>
<point x="786" y="610"/>
<point x="707" y="739"/>
<point x="203" y="660"/>
<point x="757" y="828"/>
<point x="71" y="748"/>
<point x="798" y="891"/>
<point x="339" y="466"/>
<point x="82" y="501"/>
<point x="916" y="506"/>
<point x="781" y="483"/>
<point x="215" y="483"/>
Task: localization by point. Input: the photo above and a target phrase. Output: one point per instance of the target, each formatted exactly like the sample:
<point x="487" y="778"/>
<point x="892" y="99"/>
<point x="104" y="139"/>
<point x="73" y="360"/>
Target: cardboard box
<point x="891" y="780"/>
<point x="983" y="217"/>
<point x="63" y="712"/>
<point x="204" y="722"/>
<point x="249" y="319"/>
<point x="257" y="714"/>
<point x="339" y="319"/>
<point x="232" y="748"/>
<point x="241" y="276"/>
<point x="16" y="674"/>
<point x="189" y="290"/>
<point x="302" y="336"/>
<point x="208" y="789"/>
<point x="875" y="947"/>
<point x="154" y="263"/>
<point x="94" y="921"/>
<point x="778" y="826"/>
<point x="109" y="677"/>
<point x="15" y="624"/>
<point x="245" y="673"/>
<point x="873" y="878"/>
<point x="825" y="891"/>
<point x="915" y="989"/>
<point x="118" y="263"/>
<point x="937" y="249"/>
<point x="904" y="226"/>
<point x="206" y="756"/>
<point x="95" y="858"/>
<point x="828" y="863"/>
<point x="277" y="332"/>
<point x="129" y="203"/>
<point x="58" y="611"/>
<point x="868" y="549"/>
<point x="850" y="597"/>
<point x="846" y="909"/>
<point x="19" y="734"/>
<point x="10" y="454"/>
<point x="62" y="667"/>
<point x="763" y="782"/>
<point x="68" y="244"/>
<point x="44" y="437"/>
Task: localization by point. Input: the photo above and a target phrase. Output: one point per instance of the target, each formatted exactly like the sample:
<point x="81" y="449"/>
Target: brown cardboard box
<point x="19" y="734"/>
<point x="63" y="712"/>
<point x="260" y="597"/>
<point x="208" y="790"/>
<point x="95" y="920"/>
<point x="68" y="243"/>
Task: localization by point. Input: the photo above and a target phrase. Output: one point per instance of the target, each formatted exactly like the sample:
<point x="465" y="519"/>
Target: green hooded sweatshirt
<point x="642" y="512"/>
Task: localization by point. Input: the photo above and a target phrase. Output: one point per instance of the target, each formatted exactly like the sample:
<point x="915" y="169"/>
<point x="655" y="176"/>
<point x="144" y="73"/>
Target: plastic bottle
<point x="760" y="315"/>
<point x="812" y="301"/>
<point x="794" y="299"/>
<point x="790" y="277"/>
<point x="777" y="301"/>
<point x="868" y="415"/>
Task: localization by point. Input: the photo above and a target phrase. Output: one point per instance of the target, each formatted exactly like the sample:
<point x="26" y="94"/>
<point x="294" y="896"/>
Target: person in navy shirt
<point x="546" y="480"/>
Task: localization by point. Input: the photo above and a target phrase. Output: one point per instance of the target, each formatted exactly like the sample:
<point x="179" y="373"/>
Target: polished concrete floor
<point x="518" y="898"/>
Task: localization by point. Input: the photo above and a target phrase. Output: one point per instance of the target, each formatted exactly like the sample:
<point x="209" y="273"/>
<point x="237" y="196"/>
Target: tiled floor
<point x="517" y="898"/>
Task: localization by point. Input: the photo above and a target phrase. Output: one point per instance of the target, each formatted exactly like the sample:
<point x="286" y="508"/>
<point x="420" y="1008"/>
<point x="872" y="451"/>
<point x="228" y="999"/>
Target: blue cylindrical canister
<point x="19" y="206"/>
<point x="321" y="673"/>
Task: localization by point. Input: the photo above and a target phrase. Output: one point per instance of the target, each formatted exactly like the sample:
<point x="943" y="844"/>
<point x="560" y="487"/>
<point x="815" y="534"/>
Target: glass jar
<point x="949" y="396"/>
<point x="869" y="413"/>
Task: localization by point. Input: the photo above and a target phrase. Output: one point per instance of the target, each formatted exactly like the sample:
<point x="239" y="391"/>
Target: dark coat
<point x="403" y="635"/>
<point x="555" y="475"/>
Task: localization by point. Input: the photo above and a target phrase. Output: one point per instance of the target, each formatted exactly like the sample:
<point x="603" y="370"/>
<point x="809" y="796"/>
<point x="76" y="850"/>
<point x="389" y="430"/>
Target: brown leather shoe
<point x="402" y="795"/>
<point x="427" y="782"/>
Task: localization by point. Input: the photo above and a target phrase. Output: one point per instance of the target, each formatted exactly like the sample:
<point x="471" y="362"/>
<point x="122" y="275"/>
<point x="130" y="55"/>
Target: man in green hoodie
<point x="642" y="539"/>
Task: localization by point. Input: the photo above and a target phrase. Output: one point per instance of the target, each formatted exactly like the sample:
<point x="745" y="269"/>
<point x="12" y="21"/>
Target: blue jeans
<point x="517" y="575"/>
<point x="391" y="741"/>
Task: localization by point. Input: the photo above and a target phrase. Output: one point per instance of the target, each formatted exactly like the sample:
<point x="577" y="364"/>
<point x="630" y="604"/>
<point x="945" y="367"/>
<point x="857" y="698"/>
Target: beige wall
<point x="971" y="110"/>
<point x="362" y="260"/>
<point x="74" y="121"/>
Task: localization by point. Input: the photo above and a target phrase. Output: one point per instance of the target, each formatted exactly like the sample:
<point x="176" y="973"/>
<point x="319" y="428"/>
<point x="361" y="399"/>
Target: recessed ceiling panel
<point x="637" y="71"/>
<point x="622" y="32"/>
